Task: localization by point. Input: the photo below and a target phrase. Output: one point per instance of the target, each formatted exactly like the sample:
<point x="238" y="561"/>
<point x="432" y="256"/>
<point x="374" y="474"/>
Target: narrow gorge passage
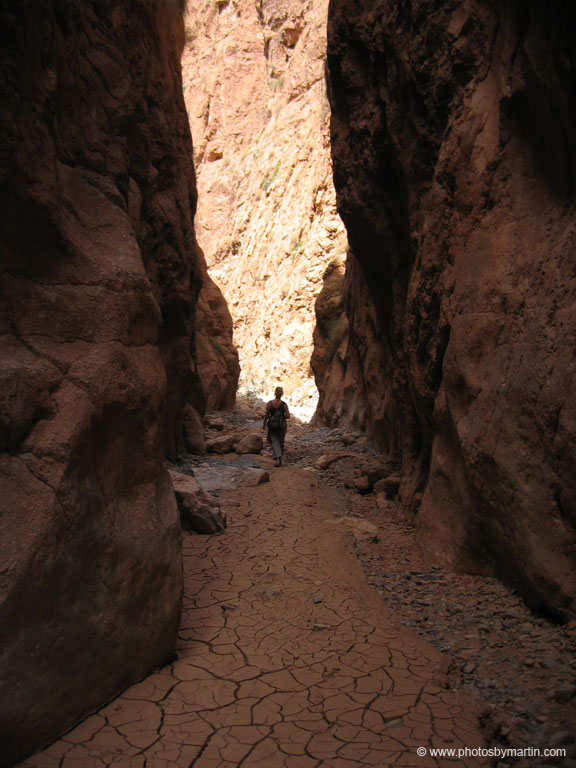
<point x="285" y="658"/>
<point x="267" y="219"/>
<point x="382" y="219"/>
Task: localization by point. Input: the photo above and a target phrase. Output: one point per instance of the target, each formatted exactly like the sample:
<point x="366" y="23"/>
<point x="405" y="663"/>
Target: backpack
<point x="276" y="418"/>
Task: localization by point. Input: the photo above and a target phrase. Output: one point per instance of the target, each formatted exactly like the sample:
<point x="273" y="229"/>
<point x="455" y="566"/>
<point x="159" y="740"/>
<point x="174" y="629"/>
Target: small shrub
<point x="295" y="249"/>
<point x="269" y="179"/>
<point x="276" y="83"/>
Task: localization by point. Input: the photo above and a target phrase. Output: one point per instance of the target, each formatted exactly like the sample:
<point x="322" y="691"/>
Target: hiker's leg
<point x="274" y="438"/>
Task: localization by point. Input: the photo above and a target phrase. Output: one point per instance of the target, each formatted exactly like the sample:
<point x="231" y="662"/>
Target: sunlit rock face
<point x="453" y="134"/>
<point x="266" y="218"/>
<point x="98" y="276"/>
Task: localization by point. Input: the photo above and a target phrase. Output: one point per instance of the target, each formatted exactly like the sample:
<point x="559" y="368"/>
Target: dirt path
<point x="286" y="657"/>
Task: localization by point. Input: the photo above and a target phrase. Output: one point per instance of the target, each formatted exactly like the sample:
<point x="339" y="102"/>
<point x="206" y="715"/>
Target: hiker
<point x="276" y="414"/>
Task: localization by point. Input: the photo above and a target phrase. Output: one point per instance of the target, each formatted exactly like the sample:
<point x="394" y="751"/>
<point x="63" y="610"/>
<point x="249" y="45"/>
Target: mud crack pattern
<point x="286" y="657"/>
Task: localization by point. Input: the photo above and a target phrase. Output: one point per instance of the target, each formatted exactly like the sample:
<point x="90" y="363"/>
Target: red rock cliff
<point x="453" y="133"/>
<point x="97" y="284"/>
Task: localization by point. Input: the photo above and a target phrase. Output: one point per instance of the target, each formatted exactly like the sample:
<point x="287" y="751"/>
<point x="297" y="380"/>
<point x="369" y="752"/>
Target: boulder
<point x="366" y="480"/>
<point x="362" y="530"/>
<point x="327" y="459"/>
<point x="384" y="504"/>
<point x="224" y="478"/>
<point x="214" y="422"/>
<point x="198" y="511"/>
<point x="221" y="478"/>
<point x="250" y="477"/>
<point x="193" y="432"/>
<point x="251" y="443"/>
<point x="221" y="445"/>
<point x="388" y="485"/>
<point x="362" y="484"/>
<point x="375" y="474"/>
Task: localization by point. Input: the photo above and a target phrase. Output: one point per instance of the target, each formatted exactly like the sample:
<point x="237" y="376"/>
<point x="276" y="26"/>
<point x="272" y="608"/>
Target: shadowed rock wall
<point x="217" y="356"/>
<point x="453" y="134"/>
<point x="98" y="277"/>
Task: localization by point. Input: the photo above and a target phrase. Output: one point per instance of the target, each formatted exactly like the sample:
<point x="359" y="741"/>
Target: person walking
<point x="275" y="418"/>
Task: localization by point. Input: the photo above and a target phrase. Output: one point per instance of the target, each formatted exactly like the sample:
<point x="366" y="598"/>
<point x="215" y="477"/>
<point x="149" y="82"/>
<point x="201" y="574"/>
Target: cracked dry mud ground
<point x="286" y="657"/>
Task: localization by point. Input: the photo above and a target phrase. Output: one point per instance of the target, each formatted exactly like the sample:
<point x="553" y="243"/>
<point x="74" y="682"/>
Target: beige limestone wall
<point x="266" y="217"/>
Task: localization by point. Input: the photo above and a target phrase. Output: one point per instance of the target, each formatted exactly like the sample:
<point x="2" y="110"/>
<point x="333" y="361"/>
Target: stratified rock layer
<point x="453" y="134"/>
<point x="267" y="218"/>
<point x="97" y="285"/>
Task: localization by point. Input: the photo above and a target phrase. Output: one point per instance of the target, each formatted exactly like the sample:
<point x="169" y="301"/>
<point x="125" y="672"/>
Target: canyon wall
<point x="266" y="219"/>
<point x="453" y="133"/>
<point x="99" y="270"/>
<point x="216" y="354"/>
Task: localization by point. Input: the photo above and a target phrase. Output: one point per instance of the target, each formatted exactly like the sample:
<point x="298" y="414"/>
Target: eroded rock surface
<point x="193" y="431"/>
<point x="453" y="134"/>
<point x="266" y="217"/>
<point x="216" y="353"/>
<point x="198" y="511"/>
<point x="98" y="277"/>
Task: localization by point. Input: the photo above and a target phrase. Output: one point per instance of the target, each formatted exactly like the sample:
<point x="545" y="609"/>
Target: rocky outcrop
<point x="193" y="437"/>
<point x="221" y="445"/>
<point x="332" y="355"/>
<point x="98" y="277"/>
<point x="266" y="220"/>
<point x="453" y="144"/>
<point x="252" y="443"/>
<point x="218" y="366"/>
<point x="335" y="362"/>
<point x="198" y="511"/>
